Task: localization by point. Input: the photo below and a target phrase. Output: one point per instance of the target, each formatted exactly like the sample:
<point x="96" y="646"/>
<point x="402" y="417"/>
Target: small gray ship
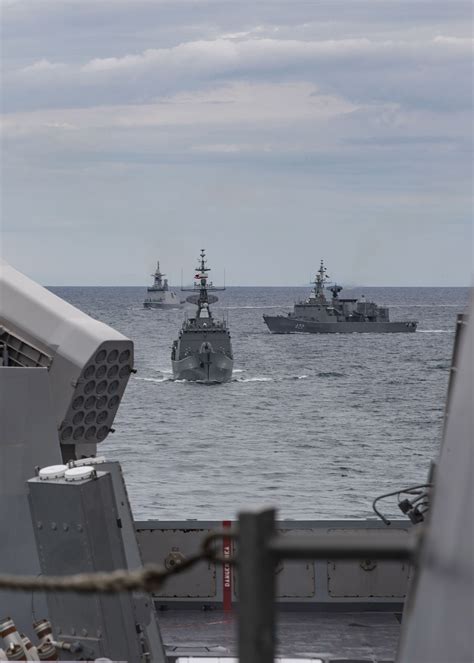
<point x="159" y="294"/>
<point x="317" y="315"/>
<point x="203" y="350"/>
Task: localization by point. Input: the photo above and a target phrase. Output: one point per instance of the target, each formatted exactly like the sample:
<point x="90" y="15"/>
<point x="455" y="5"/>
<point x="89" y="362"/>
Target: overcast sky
<point x="272" y="133"/>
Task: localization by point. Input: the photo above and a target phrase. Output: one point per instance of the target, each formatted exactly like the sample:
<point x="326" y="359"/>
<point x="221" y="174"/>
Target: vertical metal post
<point x="256" y="569"/>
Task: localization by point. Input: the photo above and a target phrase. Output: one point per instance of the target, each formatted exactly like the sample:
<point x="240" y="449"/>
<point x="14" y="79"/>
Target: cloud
<point x="237" y="104"/>
<point x="333" y="64"/>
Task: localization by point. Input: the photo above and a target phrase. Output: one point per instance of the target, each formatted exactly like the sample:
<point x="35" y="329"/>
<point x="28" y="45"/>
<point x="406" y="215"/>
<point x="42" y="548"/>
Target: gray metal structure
<point x="159" y="294"/>
<point x="440" y="613"/>
<point x="75" y="536"/>
<point x="322" y="585"/>
<point x="203" y="350"/>
<point x="88" y="363"/>
<point x="28" y="437"/>
<point x="317" y="315"/>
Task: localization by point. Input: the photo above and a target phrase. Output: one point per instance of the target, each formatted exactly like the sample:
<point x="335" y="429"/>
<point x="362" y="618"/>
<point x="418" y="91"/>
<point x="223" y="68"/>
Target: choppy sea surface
<point x="317" y="425"/>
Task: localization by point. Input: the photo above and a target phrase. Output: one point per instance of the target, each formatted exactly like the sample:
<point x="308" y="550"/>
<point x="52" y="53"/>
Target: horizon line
<point x="178" y="287"/>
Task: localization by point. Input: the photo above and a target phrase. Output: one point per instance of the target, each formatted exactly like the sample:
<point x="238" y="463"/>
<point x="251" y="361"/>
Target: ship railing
<point x="260" y="549"/>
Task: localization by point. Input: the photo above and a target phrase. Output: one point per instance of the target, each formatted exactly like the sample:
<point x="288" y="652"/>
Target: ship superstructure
<point x="159" y="295"/>
<point x="318" y="315"/>
<point x="203" y="350"/>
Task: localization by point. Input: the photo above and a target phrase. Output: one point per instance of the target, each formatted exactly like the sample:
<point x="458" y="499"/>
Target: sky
<point x="273" y="134"/>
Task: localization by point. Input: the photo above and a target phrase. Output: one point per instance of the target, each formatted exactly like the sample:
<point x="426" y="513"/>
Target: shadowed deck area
<point x="361" y="636"/>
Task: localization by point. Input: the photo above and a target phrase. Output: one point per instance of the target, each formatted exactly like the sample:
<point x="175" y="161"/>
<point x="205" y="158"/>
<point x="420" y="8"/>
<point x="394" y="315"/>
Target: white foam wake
<point x="153" y="379"/>
<point x="236" y="308"/>
<point x="262" y="379"/>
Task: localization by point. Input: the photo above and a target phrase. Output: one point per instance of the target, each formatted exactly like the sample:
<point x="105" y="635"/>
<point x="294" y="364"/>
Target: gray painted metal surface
<point x="28" y="437"/>
<point x="438" y="625"/>
<point x="279" y="324"/>
<point x="322" y="584"/>
<point x="90" y="362"/>
<point x="143" y="602"/>
<point x="368" y="637"/>
<point x="78" y="530"/>
<point x="256" y="588"/>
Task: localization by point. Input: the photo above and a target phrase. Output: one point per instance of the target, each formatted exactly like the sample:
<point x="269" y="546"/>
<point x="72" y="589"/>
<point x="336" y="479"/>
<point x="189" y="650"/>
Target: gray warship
<point x="317" y="315"/>
<point x="159" y="294"/>
<point x="203" y="350"/>
<point x="340" y="585"/>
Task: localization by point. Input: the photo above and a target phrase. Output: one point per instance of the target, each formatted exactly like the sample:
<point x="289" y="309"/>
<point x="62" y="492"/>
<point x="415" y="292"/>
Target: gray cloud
<point x="144" y="122"/>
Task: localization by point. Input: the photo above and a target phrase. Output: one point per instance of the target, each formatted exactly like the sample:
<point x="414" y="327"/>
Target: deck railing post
<point x="256" y="569"/>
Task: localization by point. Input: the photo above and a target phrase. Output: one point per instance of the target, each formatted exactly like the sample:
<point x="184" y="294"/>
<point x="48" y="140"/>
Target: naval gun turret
<point x="203" y="350"/>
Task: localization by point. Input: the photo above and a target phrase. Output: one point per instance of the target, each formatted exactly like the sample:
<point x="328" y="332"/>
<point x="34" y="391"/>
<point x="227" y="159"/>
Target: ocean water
<point x="317" y="425"/>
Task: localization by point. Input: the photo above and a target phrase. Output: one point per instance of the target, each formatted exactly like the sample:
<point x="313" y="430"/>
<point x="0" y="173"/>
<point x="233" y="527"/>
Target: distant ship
<point x="317" y="315"/>
<point x="203" y="350"/>
<point x="159" y="294"/>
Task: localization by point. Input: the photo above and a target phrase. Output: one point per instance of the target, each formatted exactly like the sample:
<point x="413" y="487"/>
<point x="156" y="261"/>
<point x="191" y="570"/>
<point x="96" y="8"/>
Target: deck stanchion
<point x="256" y="569"/>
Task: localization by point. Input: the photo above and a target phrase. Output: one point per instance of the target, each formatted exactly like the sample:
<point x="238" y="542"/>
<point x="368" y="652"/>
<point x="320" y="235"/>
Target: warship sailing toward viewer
<point x="317" y="315"/>
<point x="159" y="294"/>
<point x="203" y="350"/>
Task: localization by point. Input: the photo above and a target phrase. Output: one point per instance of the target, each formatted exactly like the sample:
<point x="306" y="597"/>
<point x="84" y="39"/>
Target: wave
<point x="266" y="379"/>
<point x="153" y="379"/>
<point x="238" y="370"/>
<point x="237" y="308"/>
<point x="257" y="379"/>
<point x="435" y="331"/>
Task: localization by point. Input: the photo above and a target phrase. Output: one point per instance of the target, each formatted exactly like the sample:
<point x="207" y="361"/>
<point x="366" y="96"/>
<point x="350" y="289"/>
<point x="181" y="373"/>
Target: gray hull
<point x="278" y="324"/>
<point x="210" y="367"/>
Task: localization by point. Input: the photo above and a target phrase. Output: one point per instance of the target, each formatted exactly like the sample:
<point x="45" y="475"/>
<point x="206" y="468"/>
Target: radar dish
<point x="194" y="299"/>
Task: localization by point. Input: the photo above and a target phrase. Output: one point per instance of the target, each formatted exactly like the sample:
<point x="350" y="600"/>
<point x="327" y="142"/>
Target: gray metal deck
<point x="347" y="636"/>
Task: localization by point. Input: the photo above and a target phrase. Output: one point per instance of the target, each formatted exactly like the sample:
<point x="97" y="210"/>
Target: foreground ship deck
<point x="342" y="637"/>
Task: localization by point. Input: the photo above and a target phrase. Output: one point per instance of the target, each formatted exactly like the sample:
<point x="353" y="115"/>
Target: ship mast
<point x="201" y="289"/>
<point x="158" y="283"/>
<point x="319" y="282"/>
<point x="201" y="269"/>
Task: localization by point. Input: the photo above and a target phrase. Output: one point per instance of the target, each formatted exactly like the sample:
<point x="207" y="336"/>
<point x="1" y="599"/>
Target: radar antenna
<point x="335" y="289"/>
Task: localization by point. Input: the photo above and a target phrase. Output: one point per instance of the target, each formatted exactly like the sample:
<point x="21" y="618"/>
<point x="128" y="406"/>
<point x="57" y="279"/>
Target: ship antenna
<point x="203" y="298"/>
<point x="319" y="281"/>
